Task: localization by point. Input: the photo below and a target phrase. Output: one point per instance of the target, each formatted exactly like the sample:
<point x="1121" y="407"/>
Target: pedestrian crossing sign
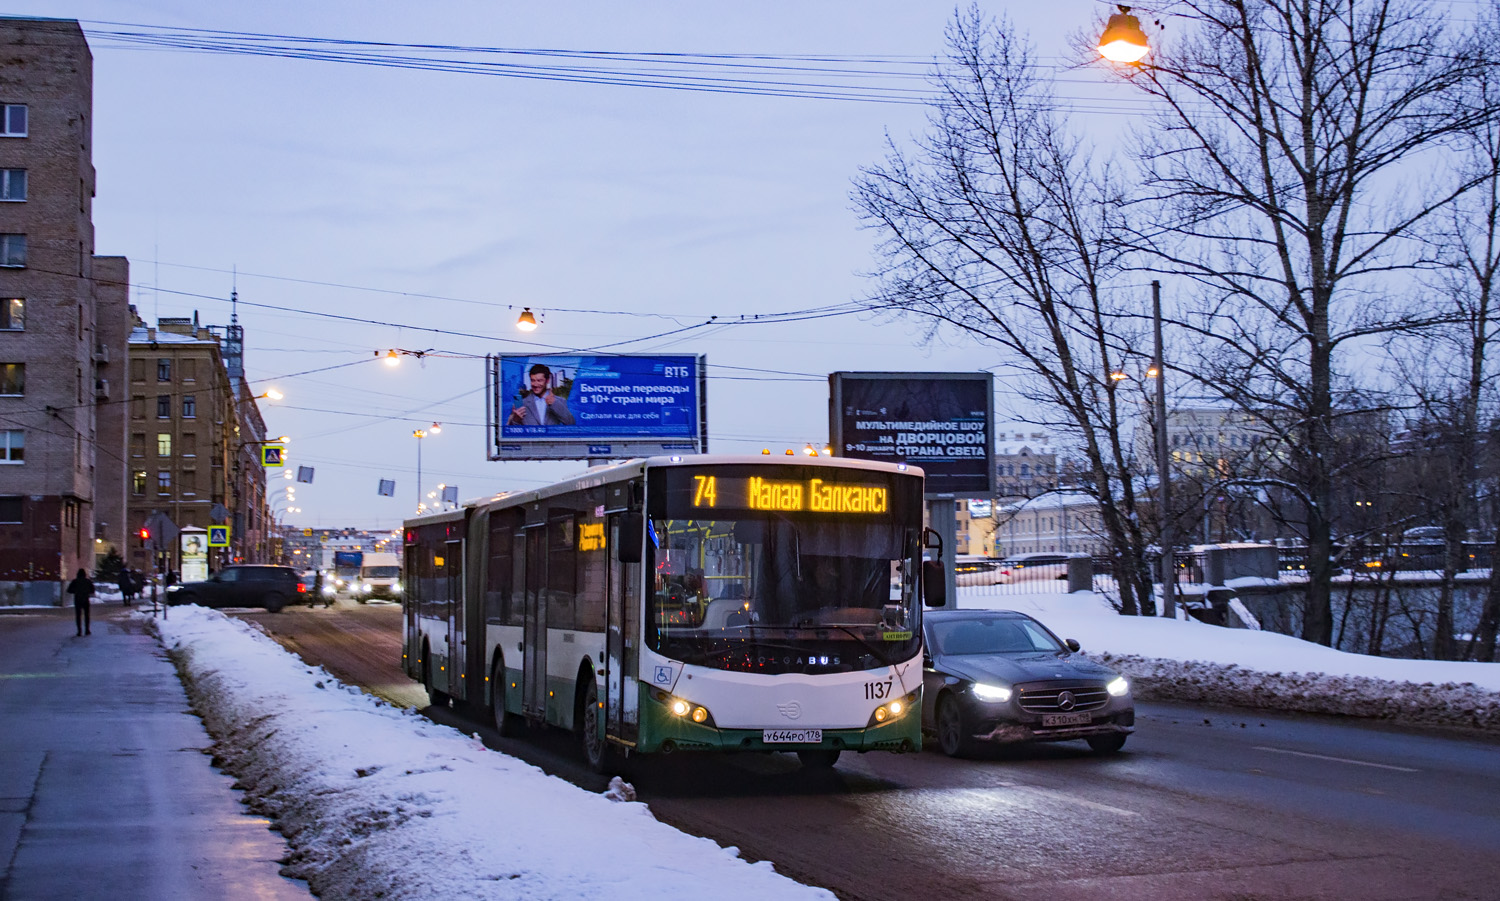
<point x="270" y="455"/>
<point x="218" y="536"/>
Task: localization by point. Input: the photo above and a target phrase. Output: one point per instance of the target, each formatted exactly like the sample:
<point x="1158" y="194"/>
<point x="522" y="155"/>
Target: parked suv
<point x="271" y="587"/>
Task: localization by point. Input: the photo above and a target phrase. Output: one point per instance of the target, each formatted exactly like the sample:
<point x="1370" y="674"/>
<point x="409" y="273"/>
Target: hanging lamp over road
<point x="1123" y="40"/>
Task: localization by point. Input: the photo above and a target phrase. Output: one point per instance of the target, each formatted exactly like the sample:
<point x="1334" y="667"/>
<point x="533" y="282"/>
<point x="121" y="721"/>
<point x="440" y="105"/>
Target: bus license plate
<point x="1066" y="719"/>
<point x="792" y="736"/>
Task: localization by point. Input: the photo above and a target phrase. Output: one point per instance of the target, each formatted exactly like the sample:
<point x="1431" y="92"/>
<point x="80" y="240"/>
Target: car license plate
<point x="791" y="736"/>
<point x="1066" y="719"/>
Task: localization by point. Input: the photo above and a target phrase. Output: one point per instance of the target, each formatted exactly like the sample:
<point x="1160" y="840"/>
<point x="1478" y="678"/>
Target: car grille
<point x="1046" y="699"/>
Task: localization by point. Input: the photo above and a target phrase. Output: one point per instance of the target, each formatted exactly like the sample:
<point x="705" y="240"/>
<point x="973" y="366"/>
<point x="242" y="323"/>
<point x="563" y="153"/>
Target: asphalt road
<point x="1203" y="803"/>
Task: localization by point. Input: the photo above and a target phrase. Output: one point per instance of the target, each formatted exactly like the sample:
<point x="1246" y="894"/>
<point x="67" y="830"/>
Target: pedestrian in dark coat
<point x="82" y="590"/>
<point x="127" y="586"/>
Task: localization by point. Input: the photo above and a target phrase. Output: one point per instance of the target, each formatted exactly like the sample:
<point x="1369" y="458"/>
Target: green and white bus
<point x="694" y="603"/>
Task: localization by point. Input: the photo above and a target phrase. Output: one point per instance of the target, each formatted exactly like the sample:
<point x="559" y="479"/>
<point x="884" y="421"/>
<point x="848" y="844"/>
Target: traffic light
<point x="145" y="534"/>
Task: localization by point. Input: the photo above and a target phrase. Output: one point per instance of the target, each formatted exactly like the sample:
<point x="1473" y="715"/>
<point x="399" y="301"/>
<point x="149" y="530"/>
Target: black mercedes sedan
<point x="1001" y="677"/>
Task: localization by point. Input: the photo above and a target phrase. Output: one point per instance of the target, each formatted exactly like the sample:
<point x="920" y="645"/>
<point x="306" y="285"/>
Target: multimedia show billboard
<point x="577" y="406"/>
<point x="940" y="421"/>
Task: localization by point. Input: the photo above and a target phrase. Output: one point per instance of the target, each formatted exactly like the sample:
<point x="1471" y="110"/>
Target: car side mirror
<point x="934" y="584"/>
<point x="1073" y="644"/>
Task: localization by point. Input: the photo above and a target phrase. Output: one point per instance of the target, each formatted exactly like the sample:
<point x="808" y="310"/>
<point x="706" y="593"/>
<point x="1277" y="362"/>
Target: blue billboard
<point x="570" y="406"/>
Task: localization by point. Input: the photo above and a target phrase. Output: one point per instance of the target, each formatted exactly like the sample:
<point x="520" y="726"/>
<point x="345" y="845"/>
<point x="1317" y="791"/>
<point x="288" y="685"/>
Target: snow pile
<point x="1449" y="705"/>
<point x="379" y="802"/>
<point x="1186" y="660"/>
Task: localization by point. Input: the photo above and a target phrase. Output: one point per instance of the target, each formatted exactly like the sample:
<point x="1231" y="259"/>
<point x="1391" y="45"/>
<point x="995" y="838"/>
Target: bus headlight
<point x="681" y="707"/>
<point x="892" y="710"/>
<point x="1118" y="688"/>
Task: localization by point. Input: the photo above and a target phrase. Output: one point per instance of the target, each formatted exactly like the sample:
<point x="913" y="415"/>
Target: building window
<point x="189" y="445"/>
<point x="137" y="370"/>
<point x="189" y="370"/>
<point x="13" y="184"/>
<point x="12" y="445"/>
<point x="138" y="482"/>
<point x="13" y="120"/>
<point x="164" y="444"/>
<point x="13" y="314"/>
<point x="163" y="482"/>
<point x="13" y="378"/>
<point x="189" y="482"/>
<point x="10" y="509"/>
<point x="163" y="406"/>
<point x="13" y="251"/>
<point x="138" y="407"/>
<point x="163" y="370"/>
<point x="138" y="444"/>
<point x="189" y="407"/>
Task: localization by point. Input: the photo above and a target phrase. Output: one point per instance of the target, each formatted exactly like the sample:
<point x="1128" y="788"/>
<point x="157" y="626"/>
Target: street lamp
<point x="419" y="434"/>
<point x="1123" y="40"/>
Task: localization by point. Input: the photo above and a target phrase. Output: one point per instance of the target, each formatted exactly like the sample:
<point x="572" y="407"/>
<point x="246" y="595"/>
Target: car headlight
<point x="172" y="588"/>
<point x="1118" y="687"/>
<point x="396" y="588"/>
<point x="984" y="692"/>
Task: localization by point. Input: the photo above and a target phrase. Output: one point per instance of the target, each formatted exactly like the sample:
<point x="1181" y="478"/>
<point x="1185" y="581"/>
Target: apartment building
<point x="193" y="450"/>
<point x="59" y="312"/>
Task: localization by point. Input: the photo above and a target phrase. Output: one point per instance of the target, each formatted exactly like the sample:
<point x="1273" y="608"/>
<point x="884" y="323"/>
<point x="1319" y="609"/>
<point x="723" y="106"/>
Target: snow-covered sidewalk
<point x="379" y="802"/>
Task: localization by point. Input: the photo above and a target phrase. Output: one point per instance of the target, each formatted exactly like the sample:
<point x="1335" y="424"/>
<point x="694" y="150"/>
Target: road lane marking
<point x="1382" y="766"/>
<point x="1064" y="796"/>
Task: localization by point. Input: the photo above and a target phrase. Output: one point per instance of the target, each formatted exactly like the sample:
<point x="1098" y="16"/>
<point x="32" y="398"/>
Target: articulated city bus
<point x="705" y="603"/>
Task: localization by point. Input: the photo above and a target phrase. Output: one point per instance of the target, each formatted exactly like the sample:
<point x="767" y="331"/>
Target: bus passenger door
<point x="453" y="589"/>
<point x="534" y="678"/>
<point x="620" y="640"/>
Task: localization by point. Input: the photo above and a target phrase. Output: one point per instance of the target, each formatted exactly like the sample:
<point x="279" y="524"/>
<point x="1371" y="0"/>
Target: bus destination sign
<point x="789" y="495"/>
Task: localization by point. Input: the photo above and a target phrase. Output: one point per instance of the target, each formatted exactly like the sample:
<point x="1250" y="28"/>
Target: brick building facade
<point x="54" y="355"/>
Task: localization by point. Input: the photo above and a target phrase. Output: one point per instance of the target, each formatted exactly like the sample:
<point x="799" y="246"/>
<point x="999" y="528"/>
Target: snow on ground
<point x="379" y="802"/>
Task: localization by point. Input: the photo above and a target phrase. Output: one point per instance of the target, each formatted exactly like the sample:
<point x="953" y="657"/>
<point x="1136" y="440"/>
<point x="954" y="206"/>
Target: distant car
<point x="1026" y="567"/>
<point x="1001" y="677"/>
<point x="251" y="585"/>
<point x="976" y="570"/>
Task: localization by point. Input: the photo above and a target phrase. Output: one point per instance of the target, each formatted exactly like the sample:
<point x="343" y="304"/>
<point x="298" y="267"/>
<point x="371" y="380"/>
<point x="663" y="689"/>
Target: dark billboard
<point x="940" y="421"/>
<point x="571" y="406"/>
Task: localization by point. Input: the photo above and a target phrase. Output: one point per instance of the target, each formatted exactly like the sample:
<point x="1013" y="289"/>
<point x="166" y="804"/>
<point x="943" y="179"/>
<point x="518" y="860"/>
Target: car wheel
<point x="952" y="732"/>
<point x="274" y="602"/>
<point x="1107" y="744"/>
<point x="596" y="750"/>
<point x="818" y="760"/>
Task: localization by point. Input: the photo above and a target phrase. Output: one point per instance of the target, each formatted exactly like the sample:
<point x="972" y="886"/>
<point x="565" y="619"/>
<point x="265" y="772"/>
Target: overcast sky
<point x="451" y="201"/>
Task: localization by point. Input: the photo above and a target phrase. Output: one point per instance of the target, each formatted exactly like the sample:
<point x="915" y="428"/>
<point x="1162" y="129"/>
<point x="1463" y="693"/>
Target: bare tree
<point x="1002" y="224"/>
<point x="1299" y="144"/>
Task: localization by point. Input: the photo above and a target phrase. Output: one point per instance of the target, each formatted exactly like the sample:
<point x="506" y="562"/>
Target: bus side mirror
<point x="934" y="584"/>
<point x="628" y="541"/>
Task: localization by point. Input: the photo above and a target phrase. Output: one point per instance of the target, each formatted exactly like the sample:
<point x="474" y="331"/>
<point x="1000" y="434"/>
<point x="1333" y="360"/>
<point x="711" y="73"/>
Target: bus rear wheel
<point x="435" y="696"/>
<point x="506" y="724"/>
<point x="818" y="760"/>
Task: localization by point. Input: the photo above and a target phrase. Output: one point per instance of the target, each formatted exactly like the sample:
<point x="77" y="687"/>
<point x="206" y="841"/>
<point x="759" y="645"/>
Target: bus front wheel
<point x="596" y="750"/>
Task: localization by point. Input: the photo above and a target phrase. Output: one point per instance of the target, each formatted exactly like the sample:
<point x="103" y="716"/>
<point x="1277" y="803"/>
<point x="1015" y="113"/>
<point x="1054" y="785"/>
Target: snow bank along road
<point x="379" y="802"/>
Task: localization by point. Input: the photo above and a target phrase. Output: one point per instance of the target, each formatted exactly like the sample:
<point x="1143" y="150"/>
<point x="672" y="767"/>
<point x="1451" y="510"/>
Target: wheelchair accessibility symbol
<point x="663" y="675"/>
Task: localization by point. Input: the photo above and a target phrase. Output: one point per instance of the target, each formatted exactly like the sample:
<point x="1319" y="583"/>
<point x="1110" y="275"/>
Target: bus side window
<point x="562" y="572"/>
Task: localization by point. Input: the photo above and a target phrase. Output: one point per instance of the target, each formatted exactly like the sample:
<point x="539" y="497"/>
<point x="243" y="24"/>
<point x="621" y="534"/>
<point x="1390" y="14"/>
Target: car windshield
<point x="990" y="635"/>
<point x="382" y="572"/>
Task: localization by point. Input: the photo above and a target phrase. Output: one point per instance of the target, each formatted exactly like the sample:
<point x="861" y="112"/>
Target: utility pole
<point x="1163" y="461"/>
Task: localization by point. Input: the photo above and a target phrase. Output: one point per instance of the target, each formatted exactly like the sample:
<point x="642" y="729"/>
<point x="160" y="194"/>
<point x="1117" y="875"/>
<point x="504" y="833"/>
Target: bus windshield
<point x="775" y="593"/>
